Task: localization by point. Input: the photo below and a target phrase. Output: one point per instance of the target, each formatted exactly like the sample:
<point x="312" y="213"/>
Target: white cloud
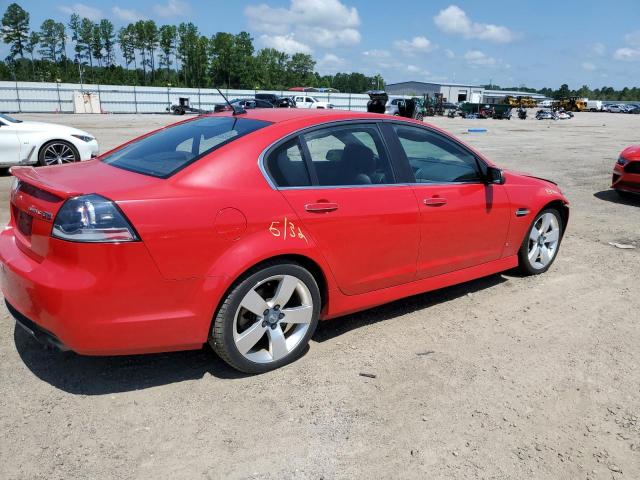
<point x="454" y="20"/>
<point x="633" y="38"/>
<point x="631" y="53"/>
<point x="284" y="43"/>
<point x="173" y="8"/>
<point x="478" y="58"/>
<point x="126" y="14"/>
<point x="85" y="11"/>
<point x="627" y="54"/>
<point x="588" y="66"/>
<point x="320" y="23"/>
<point x="597" y="49"/>
<point x="415" y="45"/>
<point x="449" y="53"/>
<point x="331" y="63"/>
<point x="377" y="54"/>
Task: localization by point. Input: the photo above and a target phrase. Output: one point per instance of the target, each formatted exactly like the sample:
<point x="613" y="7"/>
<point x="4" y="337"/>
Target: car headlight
<point x="92" y="218"/>
<point x="84" y="138"/>
<point x="622" y="161"/>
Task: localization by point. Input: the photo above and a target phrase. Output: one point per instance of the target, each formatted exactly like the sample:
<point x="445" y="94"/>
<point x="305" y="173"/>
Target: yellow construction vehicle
<point x="516" y="102"/>
<point x="571" y="104"/>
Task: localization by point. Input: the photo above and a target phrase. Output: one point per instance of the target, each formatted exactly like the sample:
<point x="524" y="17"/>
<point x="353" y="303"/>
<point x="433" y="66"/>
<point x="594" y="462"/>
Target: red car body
<point x="202" y="227"/>
<point x="626" y="171"/>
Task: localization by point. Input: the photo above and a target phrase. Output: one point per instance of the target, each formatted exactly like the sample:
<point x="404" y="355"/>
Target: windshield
<point x="6" y="117"/>
<point x="171" y="149"/>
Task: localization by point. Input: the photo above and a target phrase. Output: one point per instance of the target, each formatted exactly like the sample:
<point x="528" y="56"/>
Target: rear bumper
<point x="36" y="331"/>
<point x="104" y="299"/>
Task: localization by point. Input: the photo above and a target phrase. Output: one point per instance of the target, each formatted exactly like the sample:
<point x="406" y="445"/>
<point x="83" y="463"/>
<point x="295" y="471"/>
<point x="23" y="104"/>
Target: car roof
<point x="310" y="116"/>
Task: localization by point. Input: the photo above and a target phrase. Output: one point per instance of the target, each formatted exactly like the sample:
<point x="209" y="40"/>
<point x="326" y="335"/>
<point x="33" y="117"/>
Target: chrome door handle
<point x="321" y="207"/>
<point x="435" y="201"/>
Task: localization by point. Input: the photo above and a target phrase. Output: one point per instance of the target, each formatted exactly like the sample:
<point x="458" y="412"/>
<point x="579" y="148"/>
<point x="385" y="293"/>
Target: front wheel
<point x="540" y="246"/>
<point x="267" y="318"/>
<point x="57" y="152"/>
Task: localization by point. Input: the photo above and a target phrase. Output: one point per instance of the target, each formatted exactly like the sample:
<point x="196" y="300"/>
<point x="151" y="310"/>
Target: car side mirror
<point x="495" y="176"/>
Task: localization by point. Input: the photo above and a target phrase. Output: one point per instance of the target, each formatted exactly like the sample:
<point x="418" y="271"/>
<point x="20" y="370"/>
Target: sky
<point x="536" y="43"/>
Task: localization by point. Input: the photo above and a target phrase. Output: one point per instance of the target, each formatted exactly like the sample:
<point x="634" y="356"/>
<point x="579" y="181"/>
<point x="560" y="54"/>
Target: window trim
<point x="308" y="162"/>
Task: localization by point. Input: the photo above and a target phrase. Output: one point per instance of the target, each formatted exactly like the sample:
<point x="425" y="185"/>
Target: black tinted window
<point x="286" y="165"/>
<point x="172" y="148"/>
<point x="349" y="155"/>
<point x="435" y="158"/>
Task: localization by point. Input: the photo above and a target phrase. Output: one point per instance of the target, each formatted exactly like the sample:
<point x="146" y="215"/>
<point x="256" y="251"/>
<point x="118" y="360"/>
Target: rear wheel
<point x="540" y="246"/>
<point x="57" y="152"/>
<point x="267" y="318"/>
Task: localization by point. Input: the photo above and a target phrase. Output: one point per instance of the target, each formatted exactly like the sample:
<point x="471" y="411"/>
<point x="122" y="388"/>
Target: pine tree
<point x="15" y="29"/>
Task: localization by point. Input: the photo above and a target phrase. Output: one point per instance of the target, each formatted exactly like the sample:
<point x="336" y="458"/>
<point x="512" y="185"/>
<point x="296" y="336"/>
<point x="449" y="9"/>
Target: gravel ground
<point x="501" y="378"/>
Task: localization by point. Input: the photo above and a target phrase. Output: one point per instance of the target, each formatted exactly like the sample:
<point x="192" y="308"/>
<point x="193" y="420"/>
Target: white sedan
<point x="39" y="143"/>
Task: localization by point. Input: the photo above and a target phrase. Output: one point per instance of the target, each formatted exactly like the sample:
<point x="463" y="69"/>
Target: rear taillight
<point x="92" y="218"/>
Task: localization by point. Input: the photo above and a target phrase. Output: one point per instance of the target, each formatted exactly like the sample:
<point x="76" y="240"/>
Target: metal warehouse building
<point x="452" y="92"/>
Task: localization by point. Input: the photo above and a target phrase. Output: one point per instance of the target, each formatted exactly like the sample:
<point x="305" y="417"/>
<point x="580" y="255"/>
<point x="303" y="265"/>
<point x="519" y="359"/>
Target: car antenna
<point x="236" y="110"/>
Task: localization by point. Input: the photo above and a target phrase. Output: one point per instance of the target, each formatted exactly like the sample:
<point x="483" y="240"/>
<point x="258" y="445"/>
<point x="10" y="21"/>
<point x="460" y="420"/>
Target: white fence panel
<point x="36" y="97"/>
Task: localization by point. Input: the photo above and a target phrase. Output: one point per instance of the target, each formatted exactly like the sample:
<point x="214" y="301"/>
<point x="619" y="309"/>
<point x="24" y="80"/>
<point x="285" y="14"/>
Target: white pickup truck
<point x="304" y="101"/>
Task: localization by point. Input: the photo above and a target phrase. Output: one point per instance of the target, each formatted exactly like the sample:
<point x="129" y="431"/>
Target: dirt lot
<point x="501" y="378"/>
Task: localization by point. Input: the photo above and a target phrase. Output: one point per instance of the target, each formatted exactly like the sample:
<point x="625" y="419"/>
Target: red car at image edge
<point x="244" y="229"/>
<point x="626" y="172"/>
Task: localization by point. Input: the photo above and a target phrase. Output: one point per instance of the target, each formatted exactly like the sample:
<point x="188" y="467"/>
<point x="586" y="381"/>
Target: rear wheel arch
<point x="304" y="261"/>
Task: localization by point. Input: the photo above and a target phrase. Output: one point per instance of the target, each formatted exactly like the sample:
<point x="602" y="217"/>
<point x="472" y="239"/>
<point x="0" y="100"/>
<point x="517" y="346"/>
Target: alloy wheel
<point x="544" y="238"/>
<point x="272" y="318"/>
<point x="58" y="153"/>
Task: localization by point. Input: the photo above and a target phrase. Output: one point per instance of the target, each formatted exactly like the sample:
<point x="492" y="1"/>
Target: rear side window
<point x="436" y="159"/>
<point x="287" y="167"/>
<point x="349" y="155"/>
<point x="171" y="149"/>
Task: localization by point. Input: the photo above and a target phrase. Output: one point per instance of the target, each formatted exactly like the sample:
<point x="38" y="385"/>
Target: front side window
<point x="167" y="151"/>
<point x="349" y="155"/>
<point x="436" y="159"/>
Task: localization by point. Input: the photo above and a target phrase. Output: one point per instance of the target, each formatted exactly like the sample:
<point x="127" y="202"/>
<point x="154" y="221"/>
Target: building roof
<point x="448" y="84"/>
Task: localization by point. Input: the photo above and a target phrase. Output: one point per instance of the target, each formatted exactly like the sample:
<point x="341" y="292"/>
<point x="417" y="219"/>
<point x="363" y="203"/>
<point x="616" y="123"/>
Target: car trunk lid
<point x="41" y="192"/>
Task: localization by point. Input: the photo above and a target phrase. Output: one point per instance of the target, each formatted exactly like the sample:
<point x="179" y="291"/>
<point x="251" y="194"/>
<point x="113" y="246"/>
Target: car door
<point x="9" y="144"/>
<point x="464" y="221"/>
<point x="340" y="182"/>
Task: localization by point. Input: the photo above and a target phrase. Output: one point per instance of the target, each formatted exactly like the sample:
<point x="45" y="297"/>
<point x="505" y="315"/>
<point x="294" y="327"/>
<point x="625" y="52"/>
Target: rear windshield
<point x="173" y="148"/>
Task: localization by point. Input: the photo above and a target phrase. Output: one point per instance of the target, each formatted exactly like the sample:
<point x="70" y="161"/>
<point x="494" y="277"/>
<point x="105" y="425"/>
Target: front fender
<point x="529" y="195"/>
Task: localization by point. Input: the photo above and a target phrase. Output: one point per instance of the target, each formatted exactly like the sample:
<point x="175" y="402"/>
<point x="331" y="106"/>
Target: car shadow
<point x="389" y="311"/>
<point x="83" y="375"/>
<point x="613" y="197"/>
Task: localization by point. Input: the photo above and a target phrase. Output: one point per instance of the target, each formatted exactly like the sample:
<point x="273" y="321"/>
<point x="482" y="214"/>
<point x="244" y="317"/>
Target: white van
<point x="595" y="105"/>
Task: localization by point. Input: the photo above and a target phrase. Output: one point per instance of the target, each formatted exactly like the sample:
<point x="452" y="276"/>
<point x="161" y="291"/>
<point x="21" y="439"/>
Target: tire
<point x="538" y="251"/>
<point x="257" y="340"/>
<point x="57" y="152"/>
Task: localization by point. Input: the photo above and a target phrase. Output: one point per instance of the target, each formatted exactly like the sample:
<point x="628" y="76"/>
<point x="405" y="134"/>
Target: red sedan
<point x="243" y="230"/>
<point x="626" y="172"/>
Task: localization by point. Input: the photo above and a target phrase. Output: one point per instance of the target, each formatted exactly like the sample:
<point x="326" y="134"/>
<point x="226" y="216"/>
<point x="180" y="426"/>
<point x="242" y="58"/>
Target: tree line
<point x="143" y="53"/>
<point x="604" y="93"/>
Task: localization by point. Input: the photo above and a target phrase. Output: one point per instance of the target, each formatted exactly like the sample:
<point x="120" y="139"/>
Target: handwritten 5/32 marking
<point x="286" y="229"/>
